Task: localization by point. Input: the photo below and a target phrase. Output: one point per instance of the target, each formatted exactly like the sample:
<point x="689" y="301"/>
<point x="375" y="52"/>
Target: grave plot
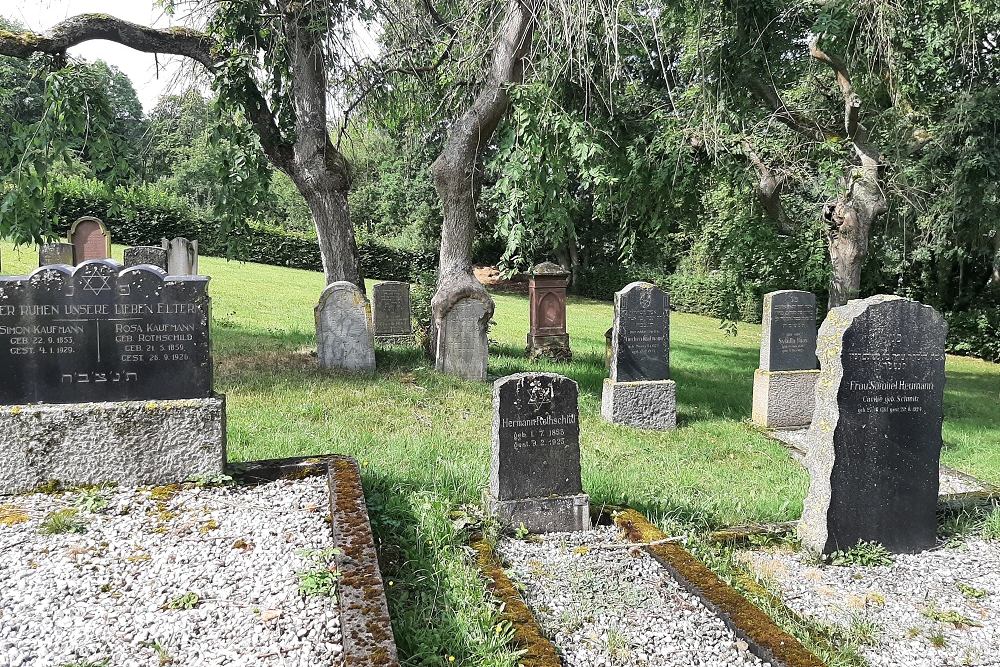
<point x="605" y="602"/>
<point x="195" y="574"/>
<point x="939" y="607"/>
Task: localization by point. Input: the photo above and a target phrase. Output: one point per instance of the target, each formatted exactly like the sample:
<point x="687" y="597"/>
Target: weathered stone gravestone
<point x="392" y="320"/>
<point x="182" y="257"/>
<point x="639" y="391"/>
<point x="875" y="438"/>
<point x="146" y="254"/>
<point x="343" y="334"/>
<point x="107" y="377"/>
<point x="90" y="239"/>
<point x="535" y="468"/>
<point x="784" y="386"/>
<point x="462" y="340"/>
<point x="547" y="312"/>
<point x="55" y="253"/>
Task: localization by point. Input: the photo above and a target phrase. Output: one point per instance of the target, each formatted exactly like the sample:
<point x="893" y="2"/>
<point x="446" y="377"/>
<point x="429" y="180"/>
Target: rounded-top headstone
<point x="640" y="336"/>
<point x="875" y="439"/>
<point x="90" y="239"/>
<point x="343" y="332"/>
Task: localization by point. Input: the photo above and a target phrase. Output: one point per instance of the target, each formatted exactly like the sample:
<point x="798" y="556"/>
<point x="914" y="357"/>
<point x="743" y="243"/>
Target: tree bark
<point x="317" y="168"/>
<point x="457" y="170"/>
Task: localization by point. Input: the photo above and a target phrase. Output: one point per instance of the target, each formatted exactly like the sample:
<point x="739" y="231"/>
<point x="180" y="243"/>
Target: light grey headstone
<point x="462" y="342"/>
<point x="146" y="254"/>
<point x="391" y="314"/>
<point x="55" y="253"/>
<point x="874" y="445"/>
<point x="182" y="257"/>
<point x="788" y="335"/>
<point x="343" y="334"/>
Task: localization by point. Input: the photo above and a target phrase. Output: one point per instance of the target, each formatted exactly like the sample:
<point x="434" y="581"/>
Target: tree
<point x="270" y="62"/>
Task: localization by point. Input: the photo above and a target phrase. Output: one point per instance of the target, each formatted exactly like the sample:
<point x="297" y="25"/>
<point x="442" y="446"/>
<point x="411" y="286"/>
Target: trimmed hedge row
<point x="144" y="214"/>
<point x="975" y="333"/>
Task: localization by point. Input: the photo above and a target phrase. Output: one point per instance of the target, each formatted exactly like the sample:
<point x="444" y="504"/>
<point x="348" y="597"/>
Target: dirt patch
<point x="491" y="278"/>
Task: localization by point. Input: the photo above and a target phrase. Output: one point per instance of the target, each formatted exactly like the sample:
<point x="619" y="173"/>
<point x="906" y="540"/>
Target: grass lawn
<point x="424" y="440"/>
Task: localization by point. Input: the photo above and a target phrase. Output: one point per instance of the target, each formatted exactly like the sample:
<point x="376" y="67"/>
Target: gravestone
<point x="182" y="257"/>
<point x="874" y="445"/>
<point x="109" y="375"/>
<point x="462" y="343"/>
<point x="639" y="391"/>
<point x="547" y="312"/>
<point x="784" y="385"/>
<point x="146" y="254"/>
<point x="391" y="316"/>
<point x="55" y="253"/>
<point x="343" y="334"/>
<point x="535" y="466"/>
<point x="90" y="239"/>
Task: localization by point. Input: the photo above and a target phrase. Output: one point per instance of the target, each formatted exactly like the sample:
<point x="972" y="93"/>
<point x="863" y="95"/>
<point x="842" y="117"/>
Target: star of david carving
<point x="103" y="284"/>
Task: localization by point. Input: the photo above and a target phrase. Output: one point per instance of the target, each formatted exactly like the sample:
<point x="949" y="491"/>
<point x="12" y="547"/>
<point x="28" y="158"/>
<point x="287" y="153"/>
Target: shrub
<point x="975" y="333"/>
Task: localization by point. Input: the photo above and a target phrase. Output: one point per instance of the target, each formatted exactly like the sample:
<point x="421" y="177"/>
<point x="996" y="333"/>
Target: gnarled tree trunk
<point x="457" y="170"/>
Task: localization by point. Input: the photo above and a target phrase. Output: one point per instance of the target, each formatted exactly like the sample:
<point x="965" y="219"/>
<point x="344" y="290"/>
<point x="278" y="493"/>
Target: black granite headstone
<point x="392" y="309"/>
<point x="146" y="254"/>
<point x="789" y="331"/>
<point x="875" y="440"/>
<point x="536" y="437"/>
<point x="640" y="337"/>
<point x="100" y="333"/>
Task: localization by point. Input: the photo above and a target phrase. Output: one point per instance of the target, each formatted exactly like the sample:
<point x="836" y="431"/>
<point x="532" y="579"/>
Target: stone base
<point x="553" y="347"/>
<point x="651" y="404"/>
<point x="130" y="443"/>
<point x="555" y="514"/>
<point x="395" y="339"/>
<point x="784" y="399"/>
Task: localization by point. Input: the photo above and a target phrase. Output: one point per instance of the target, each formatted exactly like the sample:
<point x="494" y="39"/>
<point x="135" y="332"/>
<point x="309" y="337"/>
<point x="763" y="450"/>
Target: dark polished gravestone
<point x="784" y="385"/>
<point x="101" y="333"/>
<point x="535" y="465"/>
<point x="875" y="439"/>
<point x="639" y="391"/>
<point x="391" y="312"/>
<point x="146" y="254"/>
<point x="788" y="331"/>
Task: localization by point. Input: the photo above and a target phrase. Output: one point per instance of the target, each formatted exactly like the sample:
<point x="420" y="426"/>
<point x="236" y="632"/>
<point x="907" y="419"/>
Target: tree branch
<point x="769" y="191"/>
<point x="807" y="127"/>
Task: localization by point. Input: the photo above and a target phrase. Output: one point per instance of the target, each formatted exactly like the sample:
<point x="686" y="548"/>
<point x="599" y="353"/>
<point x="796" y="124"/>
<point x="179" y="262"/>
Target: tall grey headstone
<point x="462" y="342"/>
<point x="875" y="439"/>
<point x="146" y="254"/>
<point x="55" y="253"/>
<point x="784" y="385"/>
<point x="535" y="464"/>
<point x="391" y="312"/>
<point x="639" y="391"/>
<point x="182" y="257"/>
<point x="343" y="334"/>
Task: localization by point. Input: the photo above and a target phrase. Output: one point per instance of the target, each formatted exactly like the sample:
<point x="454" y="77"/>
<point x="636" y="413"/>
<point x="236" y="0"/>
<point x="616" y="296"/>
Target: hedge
<point x="145" y="214"/>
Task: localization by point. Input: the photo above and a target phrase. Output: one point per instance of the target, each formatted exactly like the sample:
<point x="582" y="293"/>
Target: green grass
<point x="423" y="439"/>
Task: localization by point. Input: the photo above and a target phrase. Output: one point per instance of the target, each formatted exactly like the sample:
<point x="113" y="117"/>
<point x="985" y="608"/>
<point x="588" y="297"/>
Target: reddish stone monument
<point x="547" y="312"/>
<point x="90" y="239"/>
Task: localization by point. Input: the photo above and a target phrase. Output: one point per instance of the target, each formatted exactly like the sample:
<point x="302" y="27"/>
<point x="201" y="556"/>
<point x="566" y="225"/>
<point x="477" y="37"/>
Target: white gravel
<point x="616" y="606"/>
<point x="102" y="596"/>
<point x="897" y="604"/>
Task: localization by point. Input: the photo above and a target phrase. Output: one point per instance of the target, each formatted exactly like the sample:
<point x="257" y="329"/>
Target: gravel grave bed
<point x="179" y="576"/>
<point x="938" y="608"/>
<point x="604" y="602"/>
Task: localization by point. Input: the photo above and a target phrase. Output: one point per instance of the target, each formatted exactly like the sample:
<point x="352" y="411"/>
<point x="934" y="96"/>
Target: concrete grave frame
<point x="364" y="613"/>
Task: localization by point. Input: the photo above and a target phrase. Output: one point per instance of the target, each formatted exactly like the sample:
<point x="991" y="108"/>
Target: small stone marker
<point x="875" y="439"/>
<point x="535" y="468"/>
<point x="392" y="320"/>
<point x="146" y="254"/>
<point x="547" y="312"/>
<point x="90" y="239"/>
<point x="182" y="257"/>
<point x="101" y="333"/>
<point x="639" y="391"/>
<point x="55" y="253"/>
<point x="462" y="342"/>
<point x="784" y="386"/>
<point x="343" y="335"/>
